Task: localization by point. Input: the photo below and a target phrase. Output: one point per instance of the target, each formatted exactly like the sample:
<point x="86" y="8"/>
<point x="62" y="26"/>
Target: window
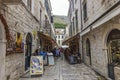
<point x="72" y="2"/>
<point x="29" y="4"/>
<point x="76" y="17"/>
<point x="85" y="11"/>
<point x="52" y="19"/>
<point x="70" y="29"/>
<point x="59" y="41"/>
<point x="75" y="1"/>
<point x="46" y="22"/>
<point x="73" y="26"/>
<point x="40" y="16"/>
<point x="62" y="36"/>
<point x="59" y="36"/>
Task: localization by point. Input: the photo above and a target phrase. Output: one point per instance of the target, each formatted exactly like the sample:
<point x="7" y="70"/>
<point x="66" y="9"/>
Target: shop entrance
<point x="113" y="42"/>
<point x="28" y="51"/>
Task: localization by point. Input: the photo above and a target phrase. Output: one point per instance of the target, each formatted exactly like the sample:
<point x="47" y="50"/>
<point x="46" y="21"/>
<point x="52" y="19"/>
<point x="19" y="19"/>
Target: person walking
<point x="53" y="51"/>
<point x="57" y="52"/>
<point x="43" y="53"/>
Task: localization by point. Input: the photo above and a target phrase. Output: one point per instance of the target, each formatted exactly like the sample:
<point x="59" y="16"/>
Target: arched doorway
<point x="28" y="51"/>
<point x="113" y="44"/>
<point x="88" y="50"/>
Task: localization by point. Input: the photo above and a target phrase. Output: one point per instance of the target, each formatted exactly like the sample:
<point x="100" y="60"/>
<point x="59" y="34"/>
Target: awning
<point x="77" y="36"/>
<point x="47" y="37"/>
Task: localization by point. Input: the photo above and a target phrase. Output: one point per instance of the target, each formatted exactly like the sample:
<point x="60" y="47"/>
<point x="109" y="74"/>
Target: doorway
<point x="88" y="50"/>
<point x="28" y="51"/>
<point x="113" y="43"/>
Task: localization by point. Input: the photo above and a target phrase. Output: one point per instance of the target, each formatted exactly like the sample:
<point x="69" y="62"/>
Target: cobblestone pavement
<point x="64" y="71"/>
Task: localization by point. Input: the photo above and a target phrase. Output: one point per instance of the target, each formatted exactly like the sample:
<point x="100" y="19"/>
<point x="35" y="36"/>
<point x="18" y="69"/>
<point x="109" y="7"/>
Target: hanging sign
<point x="36" y="65"/>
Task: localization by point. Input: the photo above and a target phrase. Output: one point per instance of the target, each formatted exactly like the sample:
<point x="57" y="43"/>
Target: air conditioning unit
<point x="11" y="1"/>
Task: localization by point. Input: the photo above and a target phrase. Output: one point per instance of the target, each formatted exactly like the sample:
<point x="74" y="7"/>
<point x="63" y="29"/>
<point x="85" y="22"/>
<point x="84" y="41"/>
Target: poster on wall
<point x="15" y="44"/>
<point x="19" y="43"/>
<point x="36" y="65"/>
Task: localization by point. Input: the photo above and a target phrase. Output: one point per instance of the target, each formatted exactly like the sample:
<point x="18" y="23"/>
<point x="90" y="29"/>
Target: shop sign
<point x="36" y="65"/>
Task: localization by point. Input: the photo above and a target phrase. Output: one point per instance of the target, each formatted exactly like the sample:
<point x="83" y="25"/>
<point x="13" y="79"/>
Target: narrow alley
<point x="35" y="36"/>
<point x="64" y="71"/>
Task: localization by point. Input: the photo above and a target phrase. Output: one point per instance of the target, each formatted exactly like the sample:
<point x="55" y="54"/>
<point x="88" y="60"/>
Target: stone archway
<point x="113" y="44"/>
<point x="2" y="51"/>
<point x="28" y="51"/>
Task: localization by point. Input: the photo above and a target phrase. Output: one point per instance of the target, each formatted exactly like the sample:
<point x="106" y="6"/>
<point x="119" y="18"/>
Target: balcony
<point x="11" y="1"/>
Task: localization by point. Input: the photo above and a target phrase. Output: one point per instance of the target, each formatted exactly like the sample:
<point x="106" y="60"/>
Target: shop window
<point x="113" y="44"/>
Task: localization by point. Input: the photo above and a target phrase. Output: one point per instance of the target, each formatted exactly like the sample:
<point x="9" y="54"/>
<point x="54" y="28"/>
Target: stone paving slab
<point x="64" y="71"/>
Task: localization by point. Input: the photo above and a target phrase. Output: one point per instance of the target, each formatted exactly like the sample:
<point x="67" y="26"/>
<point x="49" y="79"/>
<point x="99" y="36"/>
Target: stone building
<point x="60" y="35"/>
<point x="46" y="34"/>
<point x="99" y="35"/>
<point x="20" y="22"/>
<point x="74" y="27"/>
<point x="60" y="23"/>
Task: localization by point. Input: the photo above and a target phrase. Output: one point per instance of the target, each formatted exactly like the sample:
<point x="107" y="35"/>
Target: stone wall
<point x="96" y="8"/>
<point x="14" y="67"/>
<point x="19" y="19"/>
<point x="98" y="41"/>
<point x="117" y="73"/>
<point x="2" y="59"/>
